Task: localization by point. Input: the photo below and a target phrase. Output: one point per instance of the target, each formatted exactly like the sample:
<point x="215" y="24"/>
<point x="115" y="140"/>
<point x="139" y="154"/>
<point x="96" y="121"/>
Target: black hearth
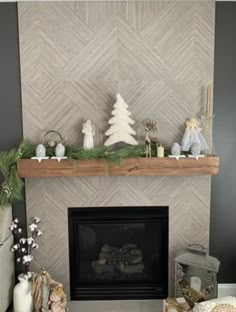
<point x="118" y="253"/>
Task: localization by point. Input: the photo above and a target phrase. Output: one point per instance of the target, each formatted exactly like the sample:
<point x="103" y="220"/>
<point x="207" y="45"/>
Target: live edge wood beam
<point x="28" y="168"/>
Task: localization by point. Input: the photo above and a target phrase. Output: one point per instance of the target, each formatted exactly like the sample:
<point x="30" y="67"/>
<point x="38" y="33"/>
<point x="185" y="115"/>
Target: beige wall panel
<point x="75" y="56"/>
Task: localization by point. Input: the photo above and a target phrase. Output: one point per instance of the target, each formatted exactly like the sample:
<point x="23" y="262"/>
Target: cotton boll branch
<point x="23" y="247"/>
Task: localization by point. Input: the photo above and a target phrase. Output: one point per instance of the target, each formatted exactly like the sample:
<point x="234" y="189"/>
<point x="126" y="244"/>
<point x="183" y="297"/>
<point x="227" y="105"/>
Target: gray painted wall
<point x="223" y="205"/>
<point x="10" y="95"/>
<point x="10" y="88"/>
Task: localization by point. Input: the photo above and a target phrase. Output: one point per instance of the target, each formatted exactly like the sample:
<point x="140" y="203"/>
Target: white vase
<point x="22" y="296"/>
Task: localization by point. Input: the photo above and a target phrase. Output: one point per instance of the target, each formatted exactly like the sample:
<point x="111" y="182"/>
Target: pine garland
<point x="106" y="153"/>
<point x="11" y="187"/>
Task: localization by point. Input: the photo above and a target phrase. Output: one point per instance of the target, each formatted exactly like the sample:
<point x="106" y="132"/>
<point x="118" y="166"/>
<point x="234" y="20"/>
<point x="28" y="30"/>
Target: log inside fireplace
<point x="118" y="253"/>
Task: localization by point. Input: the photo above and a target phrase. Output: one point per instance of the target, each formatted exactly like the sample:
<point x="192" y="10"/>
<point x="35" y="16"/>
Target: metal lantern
<point x="52" y="138"/>
<point x="196" y="274"/>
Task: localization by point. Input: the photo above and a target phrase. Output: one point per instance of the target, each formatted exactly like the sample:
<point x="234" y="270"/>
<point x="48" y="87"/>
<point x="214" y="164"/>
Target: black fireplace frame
<point x="119" y="291"/>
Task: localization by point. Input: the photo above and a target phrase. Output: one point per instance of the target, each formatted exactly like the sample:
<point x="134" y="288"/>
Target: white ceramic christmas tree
<point x="120" y="130"/>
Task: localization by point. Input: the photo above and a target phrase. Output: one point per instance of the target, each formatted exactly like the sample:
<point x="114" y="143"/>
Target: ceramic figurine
<point x="48" y="293"/>
<point x="175" y="149"/>
<point x="192" y="135"/>
<point x="41" y="290"/>
<point x="151" y="137"/>
<point x="120" y="130"/>
<point x="148" y="151"/>
<point x="58" y="301"/>
<point x="60" y="150"/>
<point x="195" y="149"/>
<point x="89" y="132"/>
<point x="40" y="150"/>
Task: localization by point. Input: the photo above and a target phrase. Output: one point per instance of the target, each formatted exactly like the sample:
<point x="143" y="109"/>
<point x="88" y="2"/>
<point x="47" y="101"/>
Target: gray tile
<point x="75" y="56"/>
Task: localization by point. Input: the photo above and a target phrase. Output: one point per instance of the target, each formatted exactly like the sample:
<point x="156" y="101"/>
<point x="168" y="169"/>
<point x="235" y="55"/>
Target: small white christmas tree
<point x="120" y="130"/>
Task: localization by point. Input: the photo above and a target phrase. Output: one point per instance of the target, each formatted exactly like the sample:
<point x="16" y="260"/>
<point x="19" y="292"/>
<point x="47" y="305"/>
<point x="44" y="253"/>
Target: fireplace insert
<point x="118" y="253"/>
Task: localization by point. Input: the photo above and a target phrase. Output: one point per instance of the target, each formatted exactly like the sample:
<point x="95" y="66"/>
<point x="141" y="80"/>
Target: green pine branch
<point x="11" y="187"/>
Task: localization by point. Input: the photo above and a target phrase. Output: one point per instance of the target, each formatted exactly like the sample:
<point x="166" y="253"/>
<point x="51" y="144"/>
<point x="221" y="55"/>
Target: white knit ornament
<point x="120" y="130"/>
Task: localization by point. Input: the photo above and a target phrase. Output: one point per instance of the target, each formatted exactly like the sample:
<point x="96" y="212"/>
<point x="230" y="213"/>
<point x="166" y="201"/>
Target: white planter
<point x="7" y="274"/>
<point x="22" y="296"/>
<point x="5" y="221"/>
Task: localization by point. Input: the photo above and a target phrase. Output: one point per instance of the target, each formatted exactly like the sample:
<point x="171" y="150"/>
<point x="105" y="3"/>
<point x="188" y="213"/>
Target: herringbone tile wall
<point x="75" y="56"/>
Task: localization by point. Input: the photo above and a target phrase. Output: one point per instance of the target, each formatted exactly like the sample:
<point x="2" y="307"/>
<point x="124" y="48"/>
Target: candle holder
<point x="196" y="274"/>
<point x="207" y="123"/>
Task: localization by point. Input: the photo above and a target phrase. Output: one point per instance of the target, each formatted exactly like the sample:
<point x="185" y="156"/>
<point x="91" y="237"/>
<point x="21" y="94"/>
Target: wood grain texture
<point x="129" y="167"/>
<point x="75" y="56"/>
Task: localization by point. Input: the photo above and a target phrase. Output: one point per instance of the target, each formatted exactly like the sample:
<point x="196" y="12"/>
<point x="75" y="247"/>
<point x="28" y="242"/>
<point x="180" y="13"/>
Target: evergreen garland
<point x="11" y="187"/>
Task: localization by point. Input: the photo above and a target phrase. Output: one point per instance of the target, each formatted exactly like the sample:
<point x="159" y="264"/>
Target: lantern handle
<point x="197" y="248"/>
<point x="50" y="132"/>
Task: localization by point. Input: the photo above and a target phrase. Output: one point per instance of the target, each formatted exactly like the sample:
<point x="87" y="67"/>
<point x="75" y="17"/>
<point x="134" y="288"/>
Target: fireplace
<point x="118" y="253"/>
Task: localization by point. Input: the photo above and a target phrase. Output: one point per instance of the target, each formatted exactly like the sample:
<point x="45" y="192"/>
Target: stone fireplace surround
<point x="75" y="56"/>
<point x="49" y="199"/>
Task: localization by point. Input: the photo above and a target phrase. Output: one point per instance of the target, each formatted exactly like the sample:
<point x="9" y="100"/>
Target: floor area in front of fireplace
<point x="116" y="306"/>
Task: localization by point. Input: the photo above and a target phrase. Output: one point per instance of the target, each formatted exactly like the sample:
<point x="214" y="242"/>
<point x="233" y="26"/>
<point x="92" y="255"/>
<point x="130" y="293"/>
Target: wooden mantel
<point x="28" y="168"/>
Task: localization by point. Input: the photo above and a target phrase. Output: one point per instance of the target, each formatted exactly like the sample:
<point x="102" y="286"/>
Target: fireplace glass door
<point x="118" y="252"/>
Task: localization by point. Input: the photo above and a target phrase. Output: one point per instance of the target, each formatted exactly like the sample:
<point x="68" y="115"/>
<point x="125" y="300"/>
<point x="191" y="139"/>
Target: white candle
<point x="196" y="283"/>
<point x="160" y="151"/>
